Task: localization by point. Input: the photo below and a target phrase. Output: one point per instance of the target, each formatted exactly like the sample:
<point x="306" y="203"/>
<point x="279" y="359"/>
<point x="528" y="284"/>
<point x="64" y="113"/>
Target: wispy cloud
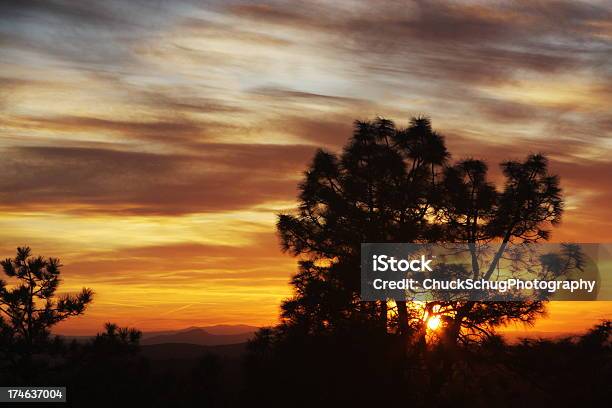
<point x="184" y="125"/>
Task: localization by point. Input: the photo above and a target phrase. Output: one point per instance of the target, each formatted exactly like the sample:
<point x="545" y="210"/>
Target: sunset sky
<point x="149" y="144"/>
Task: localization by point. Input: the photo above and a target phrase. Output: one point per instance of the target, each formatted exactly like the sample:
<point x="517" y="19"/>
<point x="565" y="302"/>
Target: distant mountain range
<point x="229" y="335"/>
<point x="203" y="336"/>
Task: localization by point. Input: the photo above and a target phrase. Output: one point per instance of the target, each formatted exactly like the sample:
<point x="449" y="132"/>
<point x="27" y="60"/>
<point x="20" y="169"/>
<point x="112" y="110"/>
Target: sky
<point x="149" y="144"/>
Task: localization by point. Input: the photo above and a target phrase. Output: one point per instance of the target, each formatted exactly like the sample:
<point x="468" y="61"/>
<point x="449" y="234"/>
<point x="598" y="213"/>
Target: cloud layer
<point x="185" y="125"/>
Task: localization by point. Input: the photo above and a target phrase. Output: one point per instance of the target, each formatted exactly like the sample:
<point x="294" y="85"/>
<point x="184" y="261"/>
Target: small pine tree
<point x="30" y="306"/>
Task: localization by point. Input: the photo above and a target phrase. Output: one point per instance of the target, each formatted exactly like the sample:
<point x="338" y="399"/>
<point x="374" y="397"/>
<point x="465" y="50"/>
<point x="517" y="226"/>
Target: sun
<point x="433" y="323"/>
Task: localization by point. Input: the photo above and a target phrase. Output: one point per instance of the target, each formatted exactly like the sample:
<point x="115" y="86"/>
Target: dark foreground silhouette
<point x="353" y="368"/>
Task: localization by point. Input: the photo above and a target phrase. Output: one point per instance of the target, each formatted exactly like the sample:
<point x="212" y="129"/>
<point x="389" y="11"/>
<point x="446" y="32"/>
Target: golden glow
<point x="434" y="322"/>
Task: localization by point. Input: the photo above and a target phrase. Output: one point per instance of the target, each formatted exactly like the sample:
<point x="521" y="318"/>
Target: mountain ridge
<point x="197" y="336"/>
<point x="215" y="335"/>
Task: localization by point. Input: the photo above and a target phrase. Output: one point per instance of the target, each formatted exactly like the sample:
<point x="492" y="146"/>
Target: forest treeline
<point x="334" y="370"/>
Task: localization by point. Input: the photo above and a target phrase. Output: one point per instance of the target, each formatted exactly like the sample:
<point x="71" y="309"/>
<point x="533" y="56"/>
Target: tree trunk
<point x="383" y="315"/>
<point x="402" y="314"/>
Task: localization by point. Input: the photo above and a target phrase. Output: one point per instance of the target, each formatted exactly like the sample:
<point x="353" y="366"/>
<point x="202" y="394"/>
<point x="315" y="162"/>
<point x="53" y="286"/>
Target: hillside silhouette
<point x="199" y="336"/>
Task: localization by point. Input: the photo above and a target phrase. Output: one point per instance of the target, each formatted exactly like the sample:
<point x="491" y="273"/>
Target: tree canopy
<point x="29" y="307"/>
<point x="392" y="184"/>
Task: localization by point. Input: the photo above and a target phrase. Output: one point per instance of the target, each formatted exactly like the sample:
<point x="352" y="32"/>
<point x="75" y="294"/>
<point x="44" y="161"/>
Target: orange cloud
<point x="150" y="147"/>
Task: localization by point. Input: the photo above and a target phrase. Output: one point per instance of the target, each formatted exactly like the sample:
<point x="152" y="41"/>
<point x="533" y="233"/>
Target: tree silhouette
<point x="116" y="340"/>
<point x="30" y="306"/>
<point x="396" y="185"/>
<point x="472" y="211"/>
<point x="108" y="370"/>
